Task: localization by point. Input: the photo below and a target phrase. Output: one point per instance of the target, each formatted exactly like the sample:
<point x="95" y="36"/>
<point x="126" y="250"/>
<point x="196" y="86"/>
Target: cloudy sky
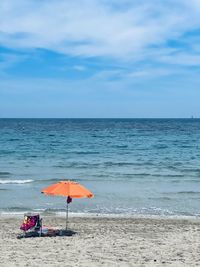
<point x="99" y="58"/>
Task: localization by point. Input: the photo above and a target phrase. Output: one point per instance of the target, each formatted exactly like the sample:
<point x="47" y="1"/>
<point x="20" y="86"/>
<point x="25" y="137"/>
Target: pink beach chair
<point x="33" y="223"/>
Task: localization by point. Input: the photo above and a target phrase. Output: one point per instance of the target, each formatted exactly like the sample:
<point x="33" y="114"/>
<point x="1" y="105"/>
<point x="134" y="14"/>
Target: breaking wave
<point x="15" y="181"/>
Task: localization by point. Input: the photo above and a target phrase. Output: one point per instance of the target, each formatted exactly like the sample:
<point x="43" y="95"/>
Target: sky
<point x="99" y="58"/>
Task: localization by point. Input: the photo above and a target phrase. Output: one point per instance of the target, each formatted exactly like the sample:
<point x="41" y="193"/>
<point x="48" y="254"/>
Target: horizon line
<point x="99" y="118"/>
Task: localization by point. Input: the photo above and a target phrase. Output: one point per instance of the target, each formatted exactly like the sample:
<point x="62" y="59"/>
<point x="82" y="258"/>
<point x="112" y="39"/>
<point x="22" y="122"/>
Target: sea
<point x="133" y="166"/>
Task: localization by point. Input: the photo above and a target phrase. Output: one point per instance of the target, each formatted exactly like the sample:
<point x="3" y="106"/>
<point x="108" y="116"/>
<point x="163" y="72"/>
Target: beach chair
<point x="32" y="225"/>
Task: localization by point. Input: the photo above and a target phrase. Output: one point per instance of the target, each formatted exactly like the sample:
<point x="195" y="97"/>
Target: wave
<point x="13" y="139"/>
<point x="186" y="180"/>
<point x="120" y="146"/>
<point x="160" y="146"/>
<point x="197" y="170"/>
<point x="124" y="164"/>
<point x="136" y="174"/>
<point x="85" y="152"/>
<point x="15" y="181"/>
<point x="4" y="173"/>
<point x="94" y="178"/>
<point x="159" y="198"/>
<point x="56" y="180"/>
<point x="107" y="164"/>
<point x="186" y="146"/>
<point x="188" y="192"/>
<point x="110" y="163"/>
<point x="78" y="165"/>
<point x="168" y="175"/>
<point x="52" y="180"/>
<point x="15" y="208"/>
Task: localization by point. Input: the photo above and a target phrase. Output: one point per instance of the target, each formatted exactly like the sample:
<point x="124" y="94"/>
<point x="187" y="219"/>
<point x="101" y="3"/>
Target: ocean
<point x="133" y="166"/>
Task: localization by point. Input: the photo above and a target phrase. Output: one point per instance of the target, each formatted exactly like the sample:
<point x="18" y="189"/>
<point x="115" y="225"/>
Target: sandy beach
<point x="104" y="242"/>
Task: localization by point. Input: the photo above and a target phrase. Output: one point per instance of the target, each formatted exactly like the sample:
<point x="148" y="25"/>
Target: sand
<point x="104" y="242"/>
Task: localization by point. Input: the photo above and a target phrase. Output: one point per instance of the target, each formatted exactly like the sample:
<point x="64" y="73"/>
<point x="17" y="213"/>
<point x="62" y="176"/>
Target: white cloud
<point x="91" y="28"/>
<point x="79" y="67"/>
<point x="149" y="73"/>
<point x="182" y="59"/>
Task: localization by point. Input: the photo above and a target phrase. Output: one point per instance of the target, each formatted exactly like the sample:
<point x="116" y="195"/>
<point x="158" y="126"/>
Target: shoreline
<point x="102" y="215"/>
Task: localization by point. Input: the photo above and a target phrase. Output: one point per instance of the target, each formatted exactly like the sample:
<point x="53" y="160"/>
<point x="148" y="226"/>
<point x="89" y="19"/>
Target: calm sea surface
<point x="133" y="166"/>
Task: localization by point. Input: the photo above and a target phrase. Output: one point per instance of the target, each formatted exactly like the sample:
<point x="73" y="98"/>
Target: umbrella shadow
<point x="58" y="232"/>
<point x="64" y="232"/>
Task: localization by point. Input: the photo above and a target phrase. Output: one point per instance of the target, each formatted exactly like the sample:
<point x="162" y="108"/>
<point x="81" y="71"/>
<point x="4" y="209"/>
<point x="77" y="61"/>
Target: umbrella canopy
<point x="67" y="189"/>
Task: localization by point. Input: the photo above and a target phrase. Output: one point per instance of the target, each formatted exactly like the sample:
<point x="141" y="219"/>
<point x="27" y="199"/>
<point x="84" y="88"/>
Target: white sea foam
<point x="15" y="181"/>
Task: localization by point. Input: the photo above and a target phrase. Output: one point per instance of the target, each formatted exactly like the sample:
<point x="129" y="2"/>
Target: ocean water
<point x="133" y="166"/>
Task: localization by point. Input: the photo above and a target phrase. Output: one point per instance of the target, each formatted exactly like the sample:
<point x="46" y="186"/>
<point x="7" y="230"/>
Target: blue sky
<point x="99" y="58"/>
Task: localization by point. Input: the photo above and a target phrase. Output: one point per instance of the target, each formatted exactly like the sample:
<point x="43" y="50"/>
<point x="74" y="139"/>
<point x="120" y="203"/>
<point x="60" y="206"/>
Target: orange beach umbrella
<point x="67" y="189"/>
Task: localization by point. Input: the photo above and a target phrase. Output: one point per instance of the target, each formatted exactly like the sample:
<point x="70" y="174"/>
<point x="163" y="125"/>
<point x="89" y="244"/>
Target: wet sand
<point x="104" y="242"/>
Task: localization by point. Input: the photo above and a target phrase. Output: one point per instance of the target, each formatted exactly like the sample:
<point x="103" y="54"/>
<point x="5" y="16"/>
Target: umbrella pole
<point x="66" y="215"/>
